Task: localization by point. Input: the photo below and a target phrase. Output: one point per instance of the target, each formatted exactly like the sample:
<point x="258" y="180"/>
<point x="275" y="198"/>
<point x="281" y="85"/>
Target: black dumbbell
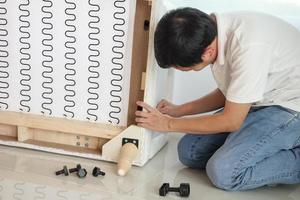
<point x="81" y="173"/>
<point x="97" y="171"/>
<point x="63" y="171"/>
<point x="184" y="189"/>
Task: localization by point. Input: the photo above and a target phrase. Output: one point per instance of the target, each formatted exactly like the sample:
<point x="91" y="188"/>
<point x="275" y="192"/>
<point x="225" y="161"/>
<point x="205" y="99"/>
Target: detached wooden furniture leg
<point x="128" y="153"/>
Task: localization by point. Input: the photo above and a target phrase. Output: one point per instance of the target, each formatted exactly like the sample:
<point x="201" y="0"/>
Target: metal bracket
<point x="130" y="140"/>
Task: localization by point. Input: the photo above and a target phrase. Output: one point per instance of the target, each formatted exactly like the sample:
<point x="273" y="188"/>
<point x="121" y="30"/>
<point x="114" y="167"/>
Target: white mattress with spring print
<point x="67" y="59"/>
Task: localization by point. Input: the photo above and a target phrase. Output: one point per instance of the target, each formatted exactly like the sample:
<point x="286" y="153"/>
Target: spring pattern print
<point x="69" y="59"/>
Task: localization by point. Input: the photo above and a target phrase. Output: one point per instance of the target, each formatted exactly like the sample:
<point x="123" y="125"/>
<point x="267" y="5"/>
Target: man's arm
<point x="231" y="119"/>
<point x="210" y="102"/>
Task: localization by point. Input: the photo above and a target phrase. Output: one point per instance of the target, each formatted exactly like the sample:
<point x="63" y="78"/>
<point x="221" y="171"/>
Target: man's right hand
<point x="168" y="108"/>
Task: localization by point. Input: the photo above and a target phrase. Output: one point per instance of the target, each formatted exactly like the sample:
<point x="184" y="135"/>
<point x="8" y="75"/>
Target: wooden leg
<point x="127" y="154"/>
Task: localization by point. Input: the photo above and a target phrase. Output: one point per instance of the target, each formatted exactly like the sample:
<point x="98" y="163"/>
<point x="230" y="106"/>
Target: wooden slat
<point x="60" y="124"/>
<point x="143" y="81"/>
<point x="8" y="138"/>
<point x="24" y="133"/>
<point x="149" y="1"/>
<point x="64" y="147"/>
<point x="139" y="57"/>
<point x="65" y="138"/>
<point x="8" y="130"/>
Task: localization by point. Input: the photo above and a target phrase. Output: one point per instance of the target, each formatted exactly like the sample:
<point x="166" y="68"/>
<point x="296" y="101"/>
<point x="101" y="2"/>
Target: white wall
<point x="191" y="85"/>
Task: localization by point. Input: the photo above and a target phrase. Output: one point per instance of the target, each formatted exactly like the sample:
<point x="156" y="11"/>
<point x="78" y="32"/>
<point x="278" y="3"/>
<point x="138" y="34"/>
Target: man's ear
<point x="208" y="53"/>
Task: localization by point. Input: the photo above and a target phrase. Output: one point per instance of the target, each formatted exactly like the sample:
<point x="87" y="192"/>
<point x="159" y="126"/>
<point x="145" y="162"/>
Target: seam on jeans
<point x="253" y="150"/>
<point x="297" y="143"/>
<point x="290" y="111"/>
<point x="192" y="148"/>
<point x="285" y="125"/>
<point x="274" y="178"/>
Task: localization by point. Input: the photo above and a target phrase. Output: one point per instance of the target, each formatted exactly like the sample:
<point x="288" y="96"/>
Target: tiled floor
<point x="27" y="174"/>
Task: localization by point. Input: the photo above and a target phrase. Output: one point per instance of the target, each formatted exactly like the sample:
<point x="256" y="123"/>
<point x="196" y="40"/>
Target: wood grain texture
<point x="60" y="124"/>
<point x="139" y="57"/>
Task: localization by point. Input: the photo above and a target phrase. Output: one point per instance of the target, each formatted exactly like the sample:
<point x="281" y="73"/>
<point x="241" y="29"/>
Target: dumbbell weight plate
<point x="184" y="189"/>
<point x="163" y="190"/>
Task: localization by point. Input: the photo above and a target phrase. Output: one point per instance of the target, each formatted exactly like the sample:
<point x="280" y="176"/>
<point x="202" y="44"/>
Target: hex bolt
<point x="183" y="189"/>
<point x="97" y="172"/>
<point x="78" y="166"/>
<point x="81" y="173"/>
<point x="63" y="171"/>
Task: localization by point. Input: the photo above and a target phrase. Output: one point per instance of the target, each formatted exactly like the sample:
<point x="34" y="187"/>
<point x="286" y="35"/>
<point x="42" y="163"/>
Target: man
<point x="255" y="139"/>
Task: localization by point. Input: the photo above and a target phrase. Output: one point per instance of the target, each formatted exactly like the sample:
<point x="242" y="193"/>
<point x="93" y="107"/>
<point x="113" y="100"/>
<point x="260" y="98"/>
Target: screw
<point x="75" y="169"/>
<point x="63" y="171"/>
<point x="81" y="173"/>
<point x="97" y="171"/>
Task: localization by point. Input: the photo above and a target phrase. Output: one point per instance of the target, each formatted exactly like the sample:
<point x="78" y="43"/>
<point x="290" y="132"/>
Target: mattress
<point x="68" y="59"/>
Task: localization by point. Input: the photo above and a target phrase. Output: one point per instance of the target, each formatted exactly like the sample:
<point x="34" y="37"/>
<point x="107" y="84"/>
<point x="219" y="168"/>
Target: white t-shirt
<point x="258" y="60"/>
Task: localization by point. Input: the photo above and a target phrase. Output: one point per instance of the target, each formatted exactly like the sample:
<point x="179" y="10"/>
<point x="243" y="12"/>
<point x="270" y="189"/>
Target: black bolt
<point x="81" y="173"/>
<point x="78" y="167"/>
<point x="97" y="171"/>
<point x="63" y="171"/>
<point x="183" y="189"/>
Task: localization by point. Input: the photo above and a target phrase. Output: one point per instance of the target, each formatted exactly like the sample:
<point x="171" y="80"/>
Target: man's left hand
<point x="151" y="118"/>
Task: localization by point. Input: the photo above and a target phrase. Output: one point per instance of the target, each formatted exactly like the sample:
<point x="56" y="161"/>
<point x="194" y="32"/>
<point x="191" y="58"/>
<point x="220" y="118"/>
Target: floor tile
<point x="27" y="174"/>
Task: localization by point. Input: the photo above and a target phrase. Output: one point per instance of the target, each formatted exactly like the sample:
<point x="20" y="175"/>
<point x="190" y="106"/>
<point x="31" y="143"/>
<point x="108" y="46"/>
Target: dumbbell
<point x="184" y="189"/>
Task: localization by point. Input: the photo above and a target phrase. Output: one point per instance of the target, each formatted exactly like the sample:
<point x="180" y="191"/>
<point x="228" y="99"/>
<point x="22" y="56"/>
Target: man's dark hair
<point x="181" y="37"/>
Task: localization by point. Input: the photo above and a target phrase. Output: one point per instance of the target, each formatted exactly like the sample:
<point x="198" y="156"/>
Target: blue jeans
<point x="265" y="151"/>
